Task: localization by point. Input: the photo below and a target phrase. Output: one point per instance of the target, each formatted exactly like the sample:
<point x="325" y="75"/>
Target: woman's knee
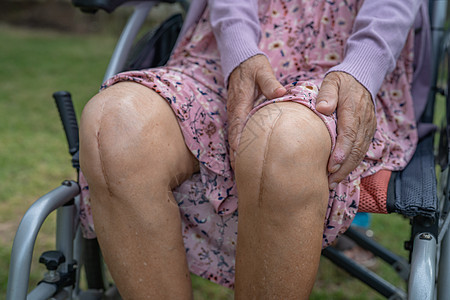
<point x="284" y="149"/>
<point x="129" y="131"/>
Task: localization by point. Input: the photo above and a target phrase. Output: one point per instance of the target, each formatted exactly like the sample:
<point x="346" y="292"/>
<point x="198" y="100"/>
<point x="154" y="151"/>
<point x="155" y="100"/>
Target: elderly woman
<point x="273" y="109"/>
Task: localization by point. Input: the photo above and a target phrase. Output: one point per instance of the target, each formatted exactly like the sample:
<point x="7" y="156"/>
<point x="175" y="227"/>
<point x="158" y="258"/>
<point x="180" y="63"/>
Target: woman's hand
<point x="356" y="122"/>
<point x="247" y="81"/>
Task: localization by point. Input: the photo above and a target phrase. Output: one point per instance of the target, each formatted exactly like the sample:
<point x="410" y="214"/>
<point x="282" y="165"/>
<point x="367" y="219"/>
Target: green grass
<point x="33" y="151"/>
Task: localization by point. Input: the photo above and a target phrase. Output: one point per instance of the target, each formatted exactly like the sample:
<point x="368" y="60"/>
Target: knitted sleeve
<point x="379" y="34"/>
<point x="237" y="31"/>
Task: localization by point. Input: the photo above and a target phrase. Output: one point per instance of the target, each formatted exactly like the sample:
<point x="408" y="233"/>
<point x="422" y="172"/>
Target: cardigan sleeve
<point x="237" y="31"/>
<point x="379" y="34"/>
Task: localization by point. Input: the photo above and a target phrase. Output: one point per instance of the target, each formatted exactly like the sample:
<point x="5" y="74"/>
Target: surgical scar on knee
<point x="266" y="150"/>
<point x="100" y="153"/>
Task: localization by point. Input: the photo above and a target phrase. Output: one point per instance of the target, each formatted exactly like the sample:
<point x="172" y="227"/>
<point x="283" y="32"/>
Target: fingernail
<point x="234" y="153"/>
<point x="333" y="185"/>
<point x="335" y="168"/>
<point x="325" y="102"/>
<point x="279" y="92"/>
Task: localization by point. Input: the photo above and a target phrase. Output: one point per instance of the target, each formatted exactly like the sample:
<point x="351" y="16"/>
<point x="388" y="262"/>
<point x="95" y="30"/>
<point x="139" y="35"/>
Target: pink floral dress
<point x="302" y="40"/>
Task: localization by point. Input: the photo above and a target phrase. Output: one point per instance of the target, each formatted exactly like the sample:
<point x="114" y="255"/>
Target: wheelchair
<point x="421" y="192"/>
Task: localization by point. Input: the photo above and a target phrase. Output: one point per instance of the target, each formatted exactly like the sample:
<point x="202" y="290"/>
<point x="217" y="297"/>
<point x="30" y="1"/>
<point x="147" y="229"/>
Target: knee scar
<point x="100" y="153"/>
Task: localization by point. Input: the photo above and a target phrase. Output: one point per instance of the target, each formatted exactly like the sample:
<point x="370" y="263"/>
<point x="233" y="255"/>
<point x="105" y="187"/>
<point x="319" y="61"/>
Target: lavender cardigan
<point x="379" y="33"/>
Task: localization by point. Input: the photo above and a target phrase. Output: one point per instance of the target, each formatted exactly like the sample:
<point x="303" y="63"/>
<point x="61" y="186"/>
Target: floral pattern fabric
<point x="302" y="39"/>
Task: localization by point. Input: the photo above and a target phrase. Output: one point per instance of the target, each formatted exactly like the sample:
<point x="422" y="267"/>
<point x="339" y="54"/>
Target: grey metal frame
<point x="22" y="250"/>
<point x="421" y="285"/>
<point x="430" y="256"/>
<point x="129" y="33"/>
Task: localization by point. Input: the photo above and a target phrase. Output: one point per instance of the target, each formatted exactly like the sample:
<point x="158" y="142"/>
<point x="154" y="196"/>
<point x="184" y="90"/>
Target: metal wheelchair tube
<point x="443" y="283"/>
<point x="126" y="39"/>
<point x="363" y="274"/>
<point x="438" y="12"/>
<point x="22" y="250"/>
<point x="438" y="17"/>
<point x="421" y="285"/>
<point x="42" y="291"/>
<point x="64" y="237"/>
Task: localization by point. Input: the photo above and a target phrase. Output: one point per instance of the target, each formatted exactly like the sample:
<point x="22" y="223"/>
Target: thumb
<point x="327" y="99"/>
<point x="270" y="87"/>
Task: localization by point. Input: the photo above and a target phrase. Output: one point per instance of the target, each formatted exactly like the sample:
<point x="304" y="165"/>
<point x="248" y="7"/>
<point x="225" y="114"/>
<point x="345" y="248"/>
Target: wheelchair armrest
<point x="92" y="6"/>
<point x="412" y="192"/>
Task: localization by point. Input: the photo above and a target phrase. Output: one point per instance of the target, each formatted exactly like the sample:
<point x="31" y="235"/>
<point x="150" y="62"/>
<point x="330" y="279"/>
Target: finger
<point x="270" y="87"/>
<point x="234" y="130"/>
<point x="327" y="99"/>
<point x="361" y="144"/>
<point x="239" y="105"/>
<point x="354" y="158"/>
<point x="347" y="132"/>
<point x="236" y="125"/>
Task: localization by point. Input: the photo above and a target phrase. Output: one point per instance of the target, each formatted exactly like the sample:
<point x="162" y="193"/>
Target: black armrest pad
<point x="413" y="191"/>
<point x="109" y="6"/>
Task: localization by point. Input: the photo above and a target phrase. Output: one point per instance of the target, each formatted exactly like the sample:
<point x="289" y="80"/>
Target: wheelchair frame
<point x="429" y="259"/>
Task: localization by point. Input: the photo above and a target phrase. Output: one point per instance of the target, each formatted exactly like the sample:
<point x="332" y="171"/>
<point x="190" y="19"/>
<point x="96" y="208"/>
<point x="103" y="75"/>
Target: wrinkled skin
<point x="356" y="122"/>
<point x="339" y="92"/>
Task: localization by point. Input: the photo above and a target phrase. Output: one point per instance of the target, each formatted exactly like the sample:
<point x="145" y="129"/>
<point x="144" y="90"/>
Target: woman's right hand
<point x="251" y="78"/>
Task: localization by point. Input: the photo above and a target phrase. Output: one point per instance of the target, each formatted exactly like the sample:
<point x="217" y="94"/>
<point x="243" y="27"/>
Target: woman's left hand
<point x="356" y="122"/>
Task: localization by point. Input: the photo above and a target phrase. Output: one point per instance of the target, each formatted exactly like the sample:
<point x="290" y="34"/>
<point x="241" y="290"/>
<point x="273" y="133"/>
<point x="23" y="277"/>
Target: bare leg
<point x="283" y="192"/>
<point x="133" y="154"/>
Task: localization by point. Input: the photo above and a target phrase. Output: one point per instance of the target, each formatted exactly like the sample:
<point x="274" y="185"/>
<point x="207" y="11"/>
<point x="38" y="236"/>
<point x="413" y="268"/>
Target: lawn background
<point x="33" y="151"/>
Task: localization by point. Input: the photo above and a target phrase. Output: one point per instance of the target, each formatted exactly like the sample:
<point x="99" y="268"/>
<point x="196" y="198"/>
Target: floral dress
<point x="302" y="39"/>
